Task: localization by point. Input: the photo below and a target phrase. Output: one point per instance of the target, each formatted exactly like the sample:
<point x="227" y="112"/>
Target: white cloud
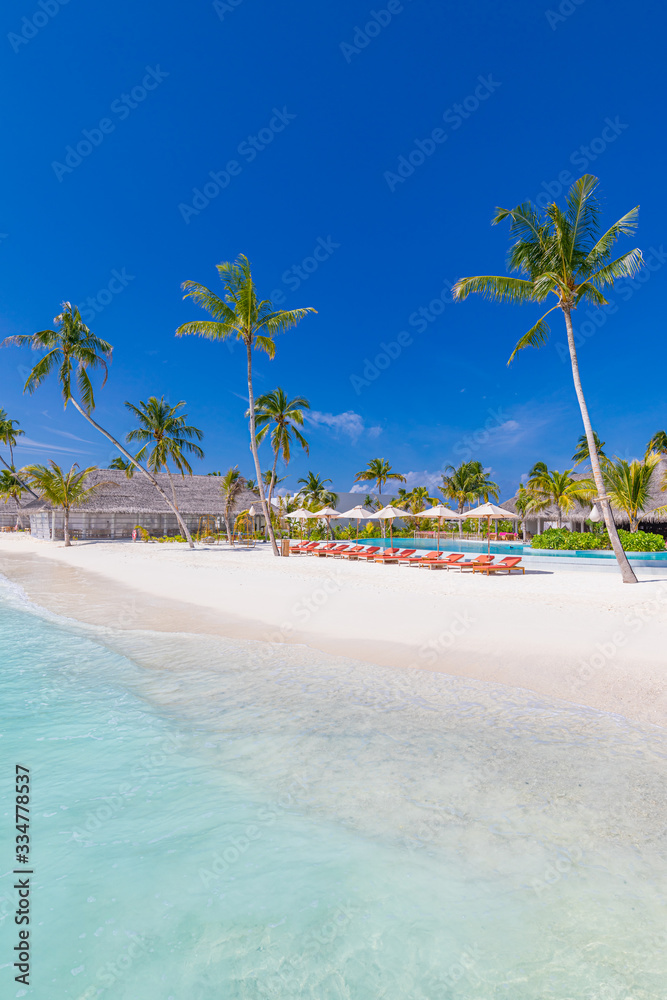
<point x="66" y="434"/>
<point x="425" y="478"/>
<point x="348" y="423"/>
<point x="26" y="442"/>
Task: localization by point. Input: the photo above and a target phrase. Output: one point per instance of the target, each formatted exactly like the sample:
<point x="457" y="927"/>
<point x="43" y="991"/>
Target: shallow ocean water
<point x="226" y="819"/>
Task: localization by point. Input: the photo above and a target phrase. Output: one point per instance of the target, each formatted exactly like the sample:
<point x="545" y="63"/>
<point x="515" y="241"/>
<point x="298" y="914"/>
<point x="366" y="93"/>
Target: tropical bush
<point x="641" y="541"/>
<point x="561" y="538"/>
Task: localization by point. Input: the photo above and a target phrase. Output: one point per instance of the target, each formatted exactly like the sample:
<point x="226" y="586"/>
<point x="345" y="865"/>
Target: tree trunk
<point x="66" y="526"/>
<point x="141" y="469"/>
<point x="273" y="475"/>
<point x="627" y="572"/>
<point x="178" y="513"/>
<point x="560" y="516"/>
<point x="253" y="448"/>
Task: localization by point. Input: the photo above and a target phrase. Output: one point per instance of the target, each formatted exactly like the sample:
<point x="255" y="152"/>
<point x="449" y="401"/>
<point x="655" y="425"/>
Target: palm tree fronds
<point x="496" y="288"/>
<point x="537" y="336"/>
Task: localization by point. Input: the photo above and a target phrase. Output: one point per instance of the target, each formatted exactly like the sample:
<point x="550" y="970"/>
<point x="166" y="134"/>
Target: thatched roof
<point x="194" y="495"/>
<point x="583" y="511"/>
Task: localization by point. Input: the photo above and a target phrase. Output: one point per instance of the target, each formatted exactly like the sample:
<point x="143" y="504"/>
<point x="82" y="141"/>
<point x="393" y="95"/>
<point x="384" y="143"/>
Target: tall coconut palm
<point x="560" y="490"/>
<point x="255" y="323"/>
<point x="72" y="351"/>
<point x="657" y="444"/>
<point x="274" y="409"/>
<point x="231" y="489"/>
<point x="562" y="253"/>
<point x="466" y="484"/>
<point x="9" y="432"/>
<point x="165" y="437"/>
<point x="629" y="486"/>
<point x="582" y="454"/>
<point x="64" y="490"/>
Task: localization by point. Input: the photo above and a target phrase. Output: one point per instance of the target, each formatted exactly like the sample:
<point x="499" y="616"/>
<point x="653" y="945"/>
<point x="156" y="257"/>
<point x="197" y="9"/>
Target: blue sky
<point x="281" y="131"/>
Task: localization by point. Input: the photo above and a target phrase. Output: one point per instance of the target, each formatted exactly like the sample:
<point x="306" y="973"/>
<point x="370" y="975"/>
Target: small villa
<point x="115" y="510"/>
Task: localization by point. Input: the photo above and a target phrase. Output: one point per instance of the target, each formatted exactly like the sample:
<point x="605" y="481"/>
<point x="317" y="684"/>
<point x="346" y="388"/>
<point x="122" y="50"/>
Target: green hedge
<point x="561" y="538"/>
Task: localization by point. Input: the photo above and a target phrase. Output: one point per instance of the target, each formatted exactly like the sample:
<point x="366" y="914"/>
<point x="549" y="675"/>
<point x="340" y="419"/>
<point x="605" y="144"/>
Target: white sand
<point x="579" y="636"/>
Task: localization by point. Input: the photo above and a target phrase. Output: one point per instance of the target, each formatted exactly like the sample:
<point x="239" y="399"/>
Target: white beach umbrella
<point x="491" y="512"/>
<point x="326" y="512"/>
<point x="388" y="513"/>
<point x="357" y="514"/>
<point x="440" y="511"/>
<point x="300" y="514"/>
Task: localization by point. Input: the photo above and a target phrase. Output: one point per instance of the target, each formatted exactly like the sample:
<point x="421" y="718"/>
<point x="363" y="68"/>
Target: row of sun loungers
<point x="409" y="557"/>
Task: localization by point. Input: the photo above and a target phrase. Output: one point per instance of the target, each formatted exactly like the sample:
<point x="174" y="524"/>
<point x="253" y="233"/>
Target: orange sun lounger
<point x="509" y="563"/>
<point x="444" y="561"/>
<point x="353" y="553"/>
<point x="472" y="563"/>
<point x="393" y="555"/>
<point x="369" y="552"/>
<point x="332" y="549"/>
<point x="304" y="547"/>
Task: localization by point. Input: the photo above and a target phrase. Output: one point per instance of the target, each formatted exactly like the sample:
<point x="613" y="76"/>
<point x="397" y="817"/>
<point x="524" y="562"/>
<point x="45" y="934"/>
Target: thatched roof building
<point x="536" y="523"/>
<point x="115" y="509"/>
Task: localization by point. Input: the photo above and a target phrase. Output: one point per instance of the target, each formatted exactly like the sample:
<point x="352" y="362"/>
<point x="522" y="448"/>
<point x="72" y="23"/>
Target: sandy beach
<point x="580" y="637"/>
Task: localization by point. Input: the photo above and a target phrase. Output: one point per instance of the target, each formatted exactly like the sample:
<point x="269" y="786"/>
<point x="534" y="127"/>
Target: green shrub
<point x="561" y="538"/>
<point x="641" y="541"/>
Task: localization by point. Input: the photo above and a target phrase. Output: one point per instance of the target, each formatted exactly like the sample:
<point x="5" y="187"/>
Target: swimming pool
<point x="527" y="552"/>
<point x="215" y="818"/>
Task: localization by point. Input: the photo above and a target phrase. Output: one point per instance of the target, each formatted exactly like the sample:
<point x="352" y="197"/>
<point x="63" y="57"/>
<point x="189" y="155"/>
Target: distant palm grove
<point x="561" y="252"/>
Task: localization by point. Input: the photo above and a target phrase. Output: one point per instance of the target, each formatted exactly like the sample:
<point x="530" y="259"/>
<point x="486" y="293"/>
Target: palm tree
<point x="379" y="471"/>
<point x="120" y="463"/>
<point x="9" y="432"/>
<point x="71" y="351"/>
<point x="316" y="494"/>
<point x="657" y="444"/>
<point x="286" y="415"/>
<point x="231" y="488"/>
<point x="560" y="489"/>
<point x="582" y="454"/>
<point x="12" y="488"/>
<point x="466" y="484"/>
<point x="629" y="486"/>
<point x="255" y="323"/>
<point x="165" y="432"/>
<point x="64" y="489"/>
<point x="562" y="253"/>
<point x="522" y="504"/>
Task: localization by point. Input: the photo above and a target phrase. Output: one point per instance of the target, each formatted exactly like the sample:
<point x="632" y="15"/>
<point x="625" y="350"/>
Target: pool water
<point x="224" y="819"/>
<point x="654" y="559"/>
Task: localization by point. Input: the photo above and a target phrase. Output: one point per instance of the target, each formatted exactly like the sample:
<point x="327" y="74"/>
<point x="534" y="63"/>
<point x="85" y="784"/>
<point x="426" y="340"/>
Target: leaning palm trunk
<point x="253" y="448"/>
<point x="626" y="569"/>
<point x="66" y="527"/>
<point x="141" y="469"/>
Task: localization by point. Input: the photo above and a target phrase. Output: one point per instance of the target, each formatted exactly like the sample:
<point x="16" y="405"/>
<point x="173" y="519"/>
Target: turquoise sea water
<point x="216" y="819"/>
